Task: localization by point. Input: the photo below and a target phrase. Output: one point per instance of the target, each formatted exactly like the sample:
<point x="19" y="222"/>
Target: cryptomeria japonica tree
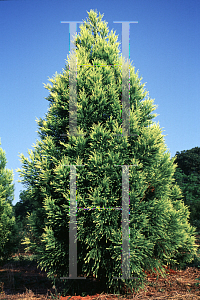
<point x="159" y="230"/>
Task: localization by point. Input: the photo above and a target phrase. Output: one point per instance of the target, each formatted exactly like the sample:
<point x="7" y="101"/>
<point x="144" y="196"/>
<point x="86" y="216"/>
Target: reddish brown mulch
<point x="177" y="285"/>
<point x="27" y="282"/>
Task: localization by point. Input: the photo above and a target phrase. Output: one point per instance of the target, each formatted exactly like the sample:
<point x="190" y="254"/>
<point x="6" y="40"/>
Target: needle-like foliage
<point x="159" y="230"/>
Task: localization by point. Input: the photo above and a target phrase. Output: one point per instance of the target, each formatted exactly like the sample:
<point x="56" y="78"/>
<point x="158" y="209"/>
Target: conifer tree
<point x="9" y="238"/>
<point x="159" y="230"/>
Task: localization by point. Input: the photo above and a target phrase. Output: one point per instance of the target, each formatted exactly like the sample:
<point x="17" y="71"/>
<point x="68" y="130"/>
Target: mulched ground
<point x="18" y="281"/>
<point x="178" y="285"/>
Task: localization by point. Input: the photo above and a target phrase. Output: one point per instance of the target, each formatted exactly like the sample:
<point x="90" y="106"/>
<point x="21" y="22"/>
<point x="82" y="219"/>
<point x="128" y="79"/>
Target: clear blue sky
<point x="164" y="47"/>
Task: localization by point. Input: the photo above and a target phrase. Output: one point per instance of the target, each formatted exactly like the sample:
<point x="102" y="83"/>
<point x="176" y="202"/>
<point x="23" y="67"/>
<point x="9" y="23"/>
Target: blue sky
<point x="164" y="47"/>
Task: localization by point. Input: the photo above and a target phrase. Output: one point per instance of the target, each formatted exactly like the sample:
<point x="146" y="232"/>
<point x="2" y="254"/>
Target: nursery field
<point x="20" y="279"/>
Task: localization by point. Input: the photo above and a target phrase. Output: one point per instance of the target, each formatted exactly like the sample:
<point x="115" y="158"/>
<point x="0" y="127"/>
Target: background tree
<point x="22" y="207"/>
<point x="9" y="238"/>
<point x="21" y="210"/>
<point x="187" y="176"/>
<point x="159" y="230"/>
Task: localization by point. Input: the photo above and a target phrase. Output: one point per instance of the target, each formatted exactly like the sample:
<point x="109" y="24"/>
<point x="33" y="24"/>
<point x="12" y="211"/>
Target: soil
<point x="22" y="280"/>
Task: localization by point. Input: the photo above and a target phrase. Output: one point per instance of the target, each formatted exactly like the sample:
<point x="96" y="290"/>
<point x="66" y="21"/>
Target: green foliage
<point x="22" y="209"/>
<point x="9" y="238"/>
<point x="160" y="233"/>
<point x="189" y="160"/>
<point x="187" y="176"/>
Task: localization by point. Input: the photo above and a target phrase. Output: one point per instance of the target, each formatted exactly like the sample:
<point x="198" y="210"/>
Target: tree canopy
<point x="187" y="176"/>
